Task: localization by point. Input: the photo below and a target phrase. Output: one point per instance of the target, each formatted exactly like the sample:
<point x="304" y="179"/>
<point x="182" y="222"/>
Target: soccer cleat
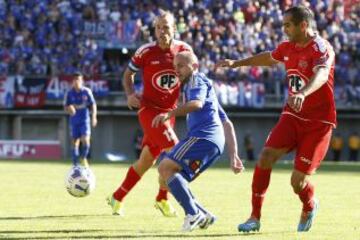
<point x="165" y="208"/>
<point x="192" y="221"/>
<point x="249" y="226"/>
<point x="307" y="218"/>
<point x="117" y="206"/>
<point x="210" y="219"/>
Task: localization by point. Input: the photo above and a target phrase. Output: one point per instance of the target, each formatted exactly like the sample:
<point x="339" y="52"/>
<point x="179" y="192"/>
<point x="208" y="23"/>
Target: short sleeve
<point x="137" y="60"/>
<point x="323" y="54"/>
<point x="91" y="97"/>
<point x="67" y="99"/>
<point x="198" y="90"/>
<point x="222" y="114"/>
<point x="278" y="53"/>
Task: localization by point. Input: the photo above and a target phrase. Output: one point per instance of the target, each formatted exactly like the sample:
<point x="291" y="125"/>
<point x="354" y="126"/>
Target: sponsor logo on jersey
<point x="154" y="62"/>
<point x="165" y="81"/>
<point x="286" y="58"/>
<point x="305" y="160"/>
<point x="296" y="83"/>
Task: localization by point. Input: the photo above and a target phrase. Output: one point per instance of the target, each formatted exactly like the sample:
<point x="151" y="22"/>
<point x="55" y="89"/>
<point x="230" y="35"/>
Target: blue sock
<point x="179" y="189"/>
<point x="85" y="150"/>
<point x="75" y="155"/>
<point x="198" y="205"/>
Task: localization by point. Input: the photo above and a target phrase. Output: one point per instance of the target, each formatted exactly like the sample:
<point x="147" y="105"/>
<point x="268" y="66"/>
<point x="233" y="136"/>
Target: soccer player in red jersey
<point x="160" y="95"/>
<point x="307" y="119"/>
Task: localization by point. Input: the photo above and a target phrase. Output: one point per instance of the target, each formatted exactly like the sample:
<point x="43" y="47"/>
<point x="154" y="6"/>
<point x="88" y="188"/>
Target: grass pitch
<point x="34" y="204"/>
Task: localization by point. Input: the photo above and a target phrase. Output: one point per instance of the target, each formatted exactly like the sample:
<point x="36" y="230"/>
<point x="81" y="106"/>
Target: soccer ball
<point x="80" y="181"/>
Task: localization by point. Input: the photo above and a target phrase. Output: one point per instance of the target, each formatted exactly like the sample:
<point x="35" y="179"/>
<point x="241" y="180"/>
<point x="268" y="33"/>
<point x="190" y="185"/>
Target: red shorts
<point x="310" y="140"/>
<point x="160" y="138"/>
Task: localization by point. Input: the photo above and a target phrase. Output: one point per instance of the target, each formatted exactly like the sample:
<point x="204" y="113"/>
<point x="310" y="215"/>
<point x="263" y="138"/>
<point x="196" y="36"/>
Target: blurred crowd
<point x="45" y="37"/>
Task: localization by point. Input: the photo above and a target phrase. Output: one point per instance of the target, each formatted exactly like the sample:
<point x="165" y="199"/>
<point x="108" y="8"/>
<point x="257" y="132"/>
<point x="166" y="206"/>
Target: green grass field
<point x="35" y="205"/>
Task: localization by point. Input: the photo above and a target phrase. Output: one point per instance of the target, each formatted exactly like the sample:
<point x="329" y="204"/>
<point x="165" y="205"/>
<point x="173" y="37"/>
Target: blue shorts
<point x="80" y="130"/>
<point x="194" y="155"/>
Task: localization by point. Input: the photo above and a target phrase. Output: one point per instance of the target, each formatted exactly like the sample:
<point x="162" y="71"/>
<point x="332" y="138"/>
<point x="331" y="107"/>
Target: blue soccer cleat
<point x="249" y="226"/>
<point x="307" y="218"/>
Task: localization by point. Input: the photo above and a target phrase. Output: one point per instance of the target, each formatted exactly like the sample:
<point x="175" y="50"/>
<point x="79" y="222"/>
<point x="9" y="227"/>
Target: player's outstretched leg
<point x="179" y="188"/>
<point x="307" y="218"/>
<point x="116" y="206"/>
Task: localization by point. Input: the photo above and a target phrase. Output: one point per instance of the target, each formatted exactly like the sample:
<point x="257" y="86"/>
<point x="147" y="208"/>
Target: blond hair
<point x="165" y="14"/>
<point x="189" y="56"/>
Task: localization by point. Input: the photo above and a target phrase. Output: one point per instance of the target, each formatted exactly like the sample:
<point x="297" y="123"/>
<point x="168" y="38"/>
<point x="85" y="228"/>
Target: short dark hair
<point x="77" y="74"/>
<point x="301" y="13"/>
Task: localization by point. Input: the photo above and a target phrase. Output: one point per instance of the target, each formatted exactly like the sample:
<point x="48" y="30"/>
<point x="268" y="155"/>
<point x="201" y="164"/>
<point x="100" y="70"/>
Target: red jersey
<point x="300" y="63"/>
<point x="161" y="85"/>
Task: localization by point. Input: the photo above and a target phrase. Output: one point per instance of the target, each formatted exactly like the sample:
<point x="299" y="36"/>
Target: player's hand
<point x="296" y="101"/>
<point x="71" y="110"/>
<point x="159" y="119"/>
<point x="224" y="63"/>
<point x="236" y="164"/>
<point x="94" y="122"/>
<point x="133" y="101"/>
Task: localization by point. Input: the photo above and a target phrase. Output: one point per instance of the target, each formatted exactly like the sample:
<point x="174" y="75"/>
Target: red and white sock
<point x="129" y="182"/>
<point x="260" y="184"/>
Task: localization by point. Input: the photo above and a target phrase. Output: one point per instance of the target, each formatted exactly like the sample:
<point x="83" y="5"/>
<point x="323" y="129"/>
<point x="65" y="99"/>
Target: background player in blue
<point x="77" y="102"/>
<point x="204" y="142"/>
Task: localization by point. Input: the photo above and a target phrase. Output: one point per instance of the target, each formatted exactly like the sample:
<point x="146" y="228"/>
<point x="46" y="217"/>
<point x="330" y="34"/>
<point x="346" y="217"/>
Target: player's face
<point x="183" y="68"/>
<point x="292" y="31"/>
<point x="78" y="82"/>
<point x="164" y="30"/>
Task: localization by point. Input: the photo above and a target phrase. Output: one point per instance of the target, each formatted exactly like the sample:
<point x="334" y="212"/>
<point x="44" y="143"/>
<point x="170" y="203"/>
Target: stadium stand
<point x="50" y="38"/>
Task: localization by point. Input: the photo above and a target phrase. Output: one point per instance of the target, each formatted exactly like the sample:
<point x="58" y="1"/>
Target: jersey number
<point x="169" y="134"/>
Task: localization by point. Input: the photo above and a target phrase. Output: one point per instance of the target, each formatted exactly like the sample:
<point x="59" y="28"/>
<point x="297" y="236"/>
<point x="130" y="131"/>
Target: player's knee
<point x="267" y="159"/>
<point x="297" y="183"/>
<point x="166" y="169"/>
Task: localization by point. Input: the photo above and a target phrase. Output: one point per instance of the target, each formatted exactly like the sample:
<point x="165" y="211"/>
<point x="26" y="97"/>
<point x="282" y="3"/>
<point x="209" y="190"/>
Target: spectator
<point x="337" y="144"/>
<point x="249" y="147"/>
<point x="354" y="146"/>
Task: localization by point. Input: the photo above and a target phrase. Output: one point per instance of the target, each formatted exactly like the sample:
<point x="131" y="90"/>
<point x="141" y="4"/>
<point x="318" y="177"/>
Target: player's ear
<point x="304" y="25"/>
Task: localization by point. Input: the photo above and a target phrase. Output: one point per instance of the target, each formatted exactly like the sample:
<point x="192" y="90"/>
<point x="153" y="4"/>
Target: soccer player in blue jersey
<point x="204" y="142"/>
<point x="78" y="103"/>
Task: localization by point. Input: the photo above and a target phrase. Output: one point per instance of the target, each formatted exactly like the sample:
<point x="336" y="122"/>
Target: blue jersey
<point x="205" y="123"/>
<point x="81" y="101"/>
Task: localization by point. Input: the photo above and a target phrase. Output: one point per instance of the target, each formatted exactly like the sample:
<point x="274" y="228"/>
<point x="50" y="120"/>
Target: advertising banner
<point x="28" y="149"/>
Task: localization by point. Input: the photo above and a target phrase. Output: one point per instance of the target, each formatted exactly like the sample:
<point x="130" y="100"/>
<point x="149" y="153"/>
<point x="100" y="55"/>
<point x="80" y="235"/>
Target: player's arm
<point x="93" y="114"/>
<point x="188" y="107"/>
<point x="320" y="77"/>
<point x="261" y="59"/>
<point x="231" y="142"/>
<point x="133" y="100"/>
<point x="68" y="107"/>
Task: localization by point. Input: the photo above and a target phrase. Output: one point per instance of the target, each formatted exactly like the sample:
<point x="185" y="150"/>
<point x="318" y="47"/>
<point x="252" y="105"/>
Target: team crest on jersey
<point x="303" y="64"/>
<point x="195" y="165"/>
<point x="165" y="81"/>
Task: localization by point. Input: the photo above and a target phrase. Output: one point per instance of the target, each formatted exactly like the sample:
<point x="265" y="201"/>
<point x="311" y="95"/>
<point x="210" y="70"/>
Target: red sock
<point x="260" y="183"/>
<point x="129" y="182"/>
<point x="306" y="196"/>
<point x="162" y="195"/>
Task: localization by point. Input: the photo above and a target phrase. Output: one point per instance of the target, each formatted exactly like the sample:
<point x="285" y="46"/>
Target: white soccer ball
<point x="80" y="181"/>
